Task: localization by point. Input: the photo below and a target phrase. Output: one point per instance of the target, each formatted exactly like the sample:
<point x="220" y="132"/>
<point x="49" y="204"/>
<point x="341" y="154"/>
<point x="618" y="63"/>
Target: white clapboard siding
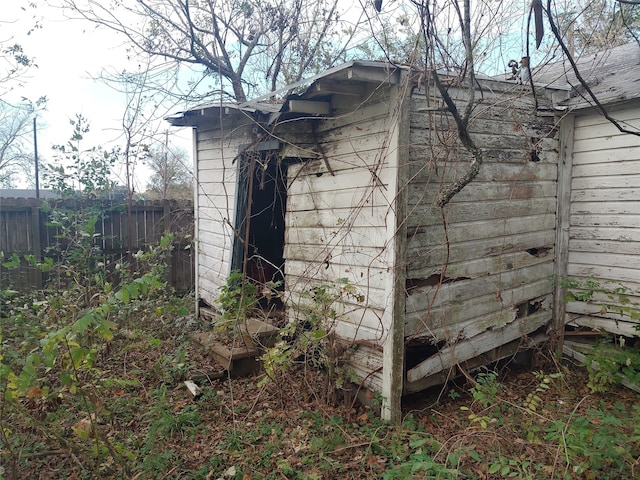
<point x="421" y="194"/>
<point x="217" y="173"/>
<point x="520" y="171"/>
<point x="484" y="266"/>
<point x="354" y="321"/>
<point x="365" y="280"/>
<point x="467" y="231"/>
<point x="604" y="247"/>
<point x="343" y="255"/>
<point x="355" y="237"/>
<point x="604" y="241"/>
<point x="338" y="206"/>
<point x="424" y="257"/>
<point x="304" y="200"/>
<point x="457" y="290"/>
<point x="368" y="360"/>
<point x="470" y="212"/>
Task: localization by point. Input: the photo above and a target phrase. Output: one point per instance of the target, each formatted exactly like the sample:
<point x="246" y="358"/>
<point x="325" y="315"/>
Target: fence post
<point x="36" y="224"/>
<point x="167" y="224"/>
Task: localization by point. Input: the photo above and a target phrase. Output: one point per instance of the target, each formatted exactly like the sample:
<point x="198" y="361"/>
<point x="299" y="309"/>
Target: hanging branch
<point x="462" y="121"/>
<point x="583" y="82"/>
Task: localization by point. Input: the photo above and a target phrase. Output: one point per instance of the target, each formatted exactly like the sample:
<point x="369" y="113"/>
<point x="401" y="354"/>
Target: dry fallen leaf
<point x="34" y="392"/>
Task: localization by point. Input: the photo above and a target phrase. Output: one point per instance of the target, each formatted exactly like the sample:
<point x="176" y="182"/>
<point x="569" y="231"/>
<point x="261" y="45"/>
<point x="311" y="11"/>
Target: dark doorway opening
<point x="260" y="225"/>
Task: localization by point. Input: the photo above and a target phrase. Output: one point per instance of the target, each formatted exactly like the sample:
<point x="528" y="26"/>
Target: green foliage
<point x="58" y="335"/>
<point x="485" y="393"/>
<point x="421" y="461"/>
<point x="80" y="171"/>
<point x="237" y="300"/>
<point x="594" y="442"/>
<point x="519" y="468"/>
<point x="533" y="401"/>
<point x="608" y="363"/>
<point x="610" y="360"/>
<point x="486" y="389"/>
<point x="613" y="298"/>
<point x="310" y="338"/>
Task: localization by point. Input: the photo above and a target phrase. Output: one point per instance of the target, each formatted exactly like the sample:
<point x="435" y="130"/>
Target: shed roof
<point x="307" y="97"/>
<point x="289" y="99"/>
<point x="613" y="76"/>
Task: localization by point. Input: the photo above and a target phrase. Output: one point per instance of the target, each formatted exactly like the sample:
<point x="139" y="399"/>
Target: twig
<point x="564" y="432"/>
<point x="45" y="453"/>
<point x="314" y="131"/>
<point x="255" y="402"/>
<point x="583" y="82"/>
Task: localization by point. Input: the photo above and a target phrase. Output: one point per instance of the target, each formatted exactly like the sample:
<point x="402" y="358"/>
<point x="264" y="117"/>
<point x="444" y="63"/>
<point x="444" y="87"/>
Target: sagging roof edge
<point x="356" y="70"/>
<point x="367" y="71"/>
<point x="612" y="74"/>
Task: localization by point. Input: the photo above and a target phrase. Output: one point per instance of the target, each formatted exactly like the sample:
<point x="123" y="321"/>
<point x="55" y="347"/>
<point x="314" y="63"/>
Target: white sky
<point x="67" y="54"/>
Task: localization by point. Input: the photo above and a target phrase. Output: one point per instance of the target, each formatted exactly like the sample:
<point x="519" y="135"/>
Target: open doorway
<point x="260" y="226"/>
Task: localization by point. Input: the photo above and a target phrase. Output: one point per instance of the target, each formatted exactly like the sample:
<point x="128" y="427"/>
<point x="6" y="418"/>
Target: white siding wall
<point x="604" y="231"/>
<point x="337" y="226"/>
<point x="487" y="257"/>
<point x="217" y="172"/>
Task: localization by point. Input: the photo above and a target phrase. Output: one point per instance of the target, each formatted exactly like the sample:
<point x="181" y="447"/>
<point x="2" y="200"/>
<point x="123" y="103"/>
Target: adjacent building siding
<point x="487" y="258"/>
<point x="604" y="229"/>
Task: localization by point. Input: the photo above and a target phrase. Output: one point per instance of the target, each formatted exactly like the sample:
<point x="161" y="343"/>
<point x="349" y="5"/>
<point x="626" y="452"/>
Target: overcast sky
<point x="68" y="54"/>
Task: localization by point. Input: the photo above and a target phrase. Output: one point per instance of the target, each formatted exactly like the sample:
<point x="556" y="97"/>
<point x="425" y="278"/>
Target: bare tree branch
<point x="461" y="121"/>
<point x="583" y="82"/>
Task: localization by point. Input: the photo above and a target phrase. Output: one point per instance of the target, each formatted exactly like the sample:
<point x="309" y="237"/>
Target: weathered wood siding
<point x="26" y="229"/>
<point x="604" y="229"/>
<point x="337" y="223"/>
<point x="217" y="171"/>
<point x="487" y="258"/>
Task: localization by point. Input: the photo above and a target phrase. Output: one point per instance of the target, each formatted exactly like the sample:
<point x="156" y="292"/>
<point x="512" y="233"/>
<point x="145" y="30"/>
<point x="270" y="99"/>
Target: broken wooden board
<point x="238" y="354"/>
<point x="263" y="334"/>
<point x="470" y="348"/>
<point x="237" y="358"/>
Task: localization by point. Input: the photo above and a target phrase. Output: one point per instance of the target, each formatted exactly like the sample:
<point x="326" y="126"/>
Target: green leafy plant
<point x="55" y="359"/>
<point x="610" y="360"/>
<point x="533" y="401"/>
<point x="609" y="296"/>
<point x="309" y="338"/>
<point x="420" y="462"/>
<point x="237" y="301"/>
<point x="79" y="171"/>
<point x="519" y="468"/>
<point x="608" y="363"/>
<point x="594" y="442"/>
<point x="486" y="388"/>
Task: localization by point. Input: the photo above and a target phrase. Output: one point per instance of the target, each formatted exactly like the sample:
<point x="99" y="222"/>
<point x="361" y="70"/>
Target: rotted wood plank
<point x="600" y="324"/>
<point x="466" y="350"/>
<point x="444" y="319"/>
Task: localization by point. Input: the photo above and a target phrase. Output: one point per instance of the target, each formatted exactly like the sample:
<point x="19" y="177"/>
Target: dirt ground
<point x="517" y="423"/>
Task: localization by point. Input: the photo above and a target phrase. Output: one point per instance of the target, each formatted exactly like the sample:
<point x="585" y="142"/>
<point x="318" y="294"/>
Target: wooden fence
<point x="26" y="229"/>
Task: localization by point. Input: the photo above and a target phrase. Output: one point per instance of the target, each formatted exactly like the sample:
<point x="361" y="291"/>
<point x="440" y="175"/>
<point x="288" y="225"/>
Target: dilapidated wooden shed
<point x="339" y="180"/>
